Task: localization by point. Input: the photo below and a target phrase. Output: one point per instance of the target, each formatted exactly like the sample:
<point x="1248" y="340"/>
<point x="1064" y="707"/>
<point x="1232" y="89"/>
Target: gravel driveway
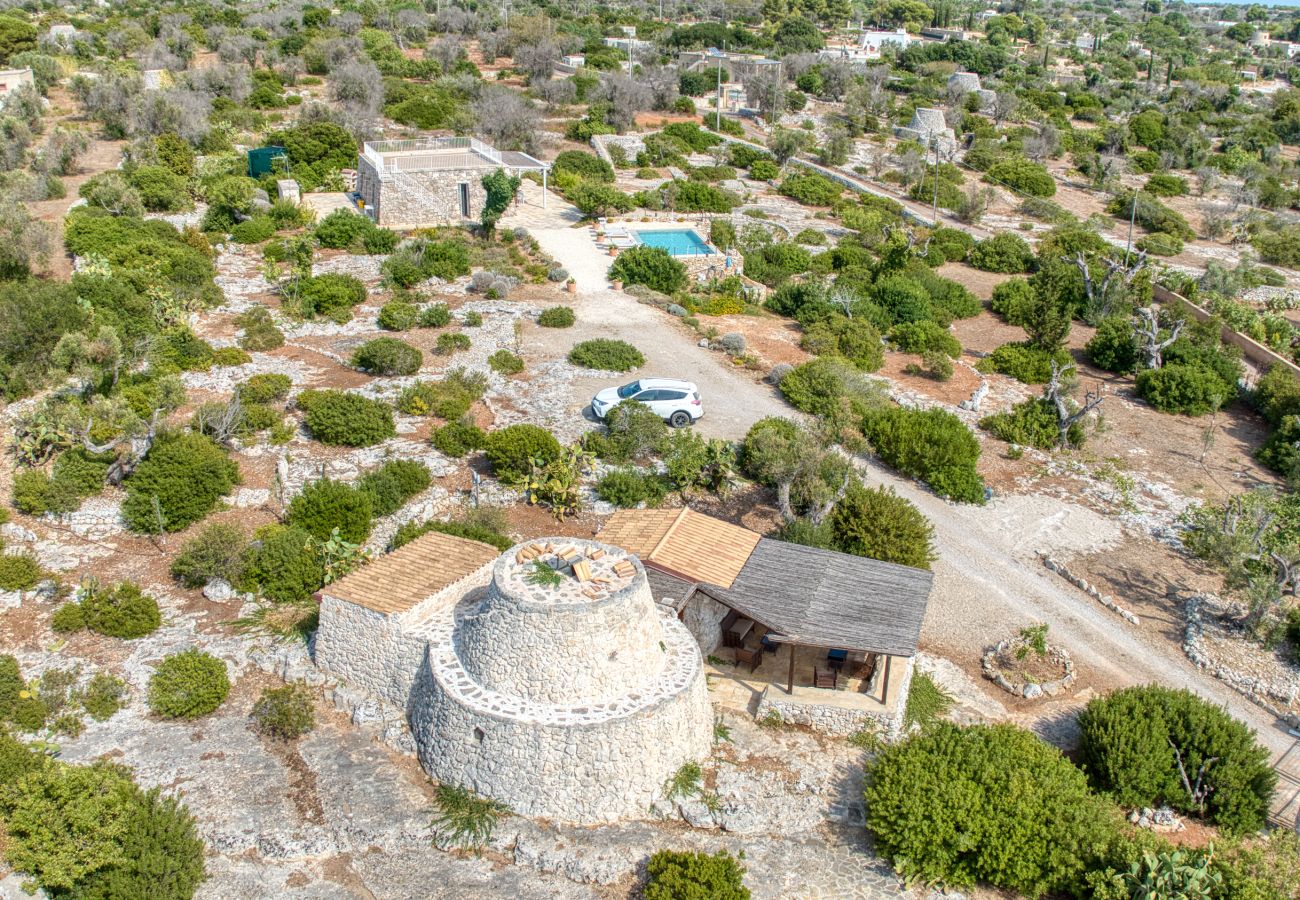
<point x="733" y="399"/>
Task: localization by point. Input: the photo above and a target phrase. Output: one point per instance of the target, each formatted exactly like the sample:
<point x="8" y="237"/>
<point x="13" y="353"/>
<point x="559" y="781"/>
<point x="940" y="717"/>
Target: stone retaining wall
<point x="838" y="720"/>
<point x="1090" y="589"/>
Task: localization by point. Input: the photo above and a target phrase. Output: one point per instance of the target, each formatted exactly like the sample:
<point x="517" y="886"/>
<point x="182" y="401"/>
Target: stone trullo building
<point x="546" y="677"/>
<point x="430" y="181"/>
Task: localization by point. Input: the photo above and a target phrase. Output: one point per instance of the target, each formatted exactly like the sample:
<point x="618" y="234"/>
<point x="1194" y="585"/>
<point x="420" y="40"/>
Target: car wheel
<point x="679" y="419"/>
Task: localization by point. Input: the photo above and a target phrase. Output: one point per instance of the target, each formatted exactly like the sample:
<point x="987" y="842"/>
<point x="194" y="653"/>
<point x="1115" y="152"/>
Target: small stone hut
<point x="570" y="696"/>
<point x="930" y="129"/>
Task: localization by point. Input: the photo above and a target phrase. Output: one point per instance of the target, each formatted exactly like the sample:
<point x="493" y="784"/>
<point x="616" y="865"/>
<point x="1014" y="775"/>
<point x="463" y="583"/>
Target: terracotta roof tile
<point x="397" y="581"/>
<point x="692" y="545"/>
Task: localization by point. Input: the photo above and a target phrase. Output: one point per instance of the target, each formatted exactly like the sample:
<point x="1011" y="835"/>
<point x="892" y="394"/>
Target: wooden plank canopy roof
<point x="824" y="598"/>
<point x="398" y="581"/>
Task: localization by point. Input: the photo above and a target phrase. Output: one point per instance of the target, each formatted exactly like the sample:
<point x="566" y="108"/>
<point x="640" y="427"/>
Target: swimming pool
<point x="677" y="241"/>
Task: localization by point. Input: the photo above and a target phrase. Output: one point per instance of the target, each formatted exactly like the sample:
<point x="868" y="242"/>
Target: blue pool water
<point x="677" y="241"/>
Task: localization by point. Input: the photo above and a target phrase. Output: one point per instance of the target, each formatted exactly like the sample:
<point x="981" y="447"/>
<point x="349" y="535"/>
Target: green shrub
<point x="450" y="341"/>
<point x="398" y="315"/>
<point x="185" y="350"/>
<point x="986" y="803"/>
<point x="1160" y="244"/>
<point x="123" y="611"/>
<point x="437" y="315"/>
<point x="1114" y="347"/>
<point x="260" y="331"/>
<point x="81" y="471"/>
<point x="324" y="505"/>
<point x="331" y="295"/>
<point x="11" y="687"/>
<point x="855" y="340"/>
<point x="764" y="170"/>
<point x="628" y="488"/>
<point x="556" y="317"/>
<point x="606" y="355"/>
<point x="19" y="572"/>
<point x="283" y="565"/>
<point x="693" y="875"/>
<point x="879" y="524"/>
<point x="1023" y="176"/>
<point x="448" y="399"/>
<point x="652" y="266"/>
<point x="1031" y="423"/>
<point x="393" y="483"/>
<point x="1277" y="394"/>
<point x="512" y="449"/>
<point x="584" y="164"/>
<point x="1023" y="362"/>
<point x="420" y="259"/>
<point x="932" y="445"/>
<point x="948" y="245"/>
<point x="387" y="356"/>
<point x="1165" y="185"/>
<point x="455" y="439"/>
<point x="266" y="388"/>
<point x="104" y="695"/>
<point x="345" y="230"/>
<point x="67" y="619"/>
<point x="253" y="231"/>
<point x="1131" y="740"/>
<point x="1151" y="214"/>
<point x="830" y="388"/>
<point x="180" y="480"/>
<point x="230" y="356"/>
<point x="926" y="702"/>
<point x="918" y="337"/>
<point x="506" y="363"/>
<point x="1186" y="389"/>
<point x="349" y="420"/>
<point x="284" y="713"/>
<point x="188" y="685"/>
<point x="810" y="189"/>
<point x="483" y="532"/>
<point x="632" y="430"/>
<point x="1005" y="252"/>
<point x="1012" y="300"/>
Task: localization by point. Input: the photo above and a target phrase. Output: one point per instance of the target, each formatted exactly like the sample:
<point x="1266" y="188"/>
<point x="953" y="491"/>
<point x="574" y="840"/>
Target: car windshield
<point x="628" y="390"/>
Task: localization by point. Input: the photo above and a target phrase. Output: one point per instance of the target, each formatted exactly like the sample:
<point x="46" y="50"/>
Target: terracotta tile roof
<point x="397" y="581"/>
<point x="688" y="544"/>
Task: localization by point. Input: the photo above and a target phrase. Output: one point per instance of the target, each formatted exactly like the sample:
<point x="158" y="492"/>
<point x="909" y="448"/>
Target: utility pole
<point x="936" y="182"/>
<point x="1132" y="214"/>
<point x="717" y="124"/>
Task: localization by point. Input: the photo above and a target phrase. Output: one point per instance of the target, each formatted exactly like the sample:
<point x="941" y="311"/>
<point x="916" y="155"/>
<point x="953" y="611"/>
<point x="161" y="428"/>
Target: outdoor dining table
<point x="740" y="630"/>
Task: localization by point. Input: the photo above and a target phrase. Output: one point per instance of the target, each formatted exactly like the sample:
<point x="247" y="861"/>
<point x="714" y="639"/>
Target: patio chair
<point x="828" y="679"/>
<point x="768" y="644"/>
<point x="748" y="657"/>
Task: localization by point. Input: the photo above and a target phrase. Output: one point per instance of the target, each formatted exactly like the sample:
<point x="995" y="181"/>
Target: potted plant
<point x="618" y="285"/>
<point x="571" y="286"/>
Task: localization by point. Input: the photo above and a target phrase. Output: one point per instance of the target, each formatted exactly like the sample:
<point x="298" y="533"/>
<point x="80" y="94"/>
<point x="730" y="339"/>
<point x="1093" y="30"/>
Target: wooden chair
<point x="748" y="657"/>
<point x="731" y="618"/>
<point x="828" y="679"/>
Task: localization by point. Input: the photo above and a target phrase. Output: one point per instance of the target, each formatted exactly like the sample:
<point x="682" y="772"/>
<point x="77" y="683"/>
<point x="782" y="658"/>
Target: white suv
<point x="677" y="402"/>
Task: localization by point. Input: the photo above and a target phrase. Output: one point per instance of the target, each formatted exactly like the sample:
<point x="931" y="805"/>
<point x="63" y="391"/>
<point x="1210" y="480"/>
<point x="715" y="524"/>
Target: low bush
<point x="450" y="341"/>
<point x="1166" y="185"/>
<point x="987" y="803"/>
<point x="325" y="505"/>
<point x="918" y="337"/>
<point x="1132" y="741"/>
<point x="855" y="340"/>
<point x="398" y="315"/>
<point x="455" y="439"/>
<point x="831" y="388"/>
<point x="448" y="399"/>
<point x="948" y="245"/>
<point x="265" y="388"/>
<point x="1030" y="423"/>
<point x="481" y="528"/>
<point x="632" y="431"/>
<point x="654" y="267"/>
<point x="437" y="315"/>
<point x="1023" y="176"/>
<point x="218" y="551"/>
<point x="1114" y="347"/>
<point x="260" y="331"/>
<point x="284" y="713"/>
<point x="606" y="355"/>
<point x="283" y="565"/>
<point x="932" y="445"/>
<point x="505" y="362"/>
<point x="253" y="231"/>
<point x="1277" y="394"/>
<point x="879" y="524"/>
<point x="67" y="619"/>
<point x="1005" y="252"/>
<point x="345" y="230"/>
<point x="19" y="572"/>
<point x="1160" y="244"/>
<point x="393" y="483"/>
<point x="1022" y="362"/>
<point x="512" y="449"/>
<point x="629" y="488"/>
<point x="1151" y="214"/>
<point x="180" y="480"/>
<point x="810" y="189"/>
<point x="188" y="685"/>
<point x="387" y="356"/>
<point x="123" y="611"/>
<point x="1012" y="300"/>
<point x="556" y="317"/>
<point x="103" y="696"/>
<point x="419" y="259"/>
<point x="331" y="295"/>
<point x="694" y="875"/>
<point x="349" y="420"/>
<point x="1190" y="390"/>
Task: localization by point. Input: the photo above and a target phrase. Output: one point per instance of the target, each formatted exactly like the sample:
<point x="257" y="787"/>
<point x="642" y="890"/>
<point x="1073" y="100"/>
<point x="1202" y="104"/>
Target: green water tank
<point x="262" y="160"/>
